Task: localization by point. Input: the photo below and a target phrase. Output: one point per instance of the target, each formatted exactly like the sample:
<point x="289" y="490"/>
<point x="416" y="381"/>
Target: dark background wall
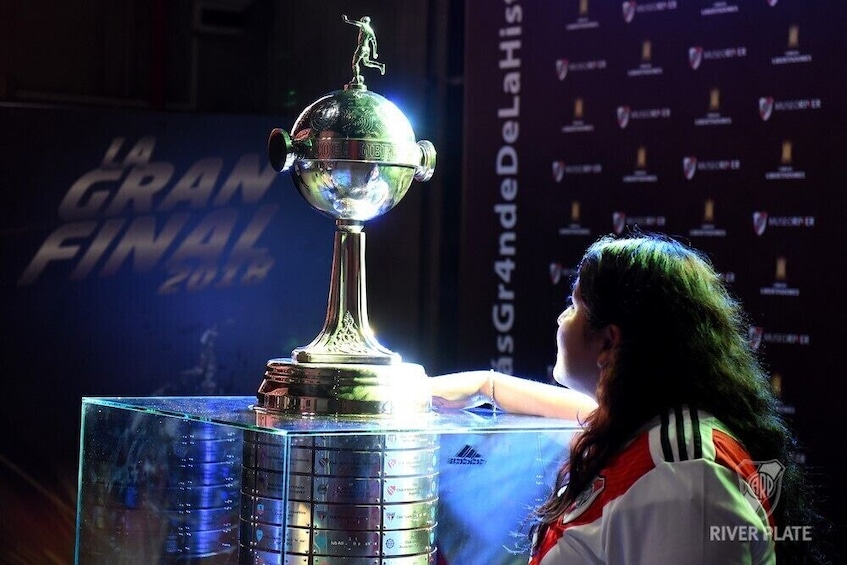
<point x="267" y="60"/>
<point x="207" y="79"/>
<point x="273" y="59"/>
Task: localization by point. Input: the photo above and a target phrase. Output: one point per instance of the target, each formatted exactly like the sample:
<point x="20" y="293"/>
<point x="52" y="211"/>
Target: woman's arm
<point x="509" y="393"/>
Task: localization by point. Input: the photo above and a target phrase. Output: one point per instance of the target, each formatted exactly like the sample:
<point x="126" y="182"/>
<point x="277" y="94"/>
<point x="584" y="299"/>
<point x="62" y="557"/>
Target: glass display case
<point x="214" y="480"/>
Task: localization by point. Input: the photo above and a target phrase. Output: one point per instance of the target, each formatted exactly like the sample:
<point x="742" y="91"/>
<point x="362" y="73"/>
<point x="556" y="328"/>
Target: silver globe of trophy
<point x="344" y="499"/>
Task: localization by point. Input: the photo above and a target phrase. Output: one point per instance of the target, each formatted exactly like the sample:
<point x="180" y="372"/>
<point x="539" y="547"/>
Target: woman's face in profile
<point x="578" y="348"/>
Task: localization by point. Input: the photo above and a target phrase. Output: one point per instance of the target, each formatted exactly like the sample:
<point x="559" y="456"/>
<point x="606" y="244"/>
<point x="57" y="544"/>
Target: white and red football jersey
<point x="676" y="494"/>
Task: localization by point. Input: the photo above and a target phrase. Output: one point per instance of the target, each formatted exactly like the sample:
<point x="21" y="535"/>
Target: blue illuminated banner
<point x="144" y="254"/>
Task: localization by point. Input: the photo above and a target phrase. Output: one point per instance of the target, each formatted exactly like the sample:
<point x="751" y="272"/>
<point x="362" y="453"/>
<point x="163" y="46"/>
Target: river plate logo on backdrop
<point x="201" y="226"/>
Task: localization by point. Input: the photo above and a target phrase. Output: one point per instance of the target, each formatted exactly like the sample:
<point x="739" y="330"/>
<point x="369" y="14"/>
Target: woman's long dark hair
<point x="684" y="340"/>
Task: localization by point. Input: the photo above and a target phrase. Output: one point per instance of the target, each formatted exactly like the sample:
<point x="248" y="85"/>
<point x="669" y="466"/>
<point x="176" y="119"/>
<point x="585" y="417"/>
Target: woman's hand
<point x="460" y="390"/>
<point x="469" y="389"/>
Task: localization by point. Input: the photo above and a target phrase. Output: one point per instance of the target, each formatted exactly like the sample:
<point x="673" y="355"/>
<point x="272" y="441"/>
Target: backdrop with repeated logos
<point x="718" y="122"/>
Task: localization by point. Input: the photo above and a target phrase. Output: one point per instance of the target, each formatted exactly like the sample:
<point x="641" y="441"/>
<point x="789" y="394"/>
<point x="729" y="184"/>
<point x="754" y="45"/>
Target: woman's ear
<point x="611" y="340"/>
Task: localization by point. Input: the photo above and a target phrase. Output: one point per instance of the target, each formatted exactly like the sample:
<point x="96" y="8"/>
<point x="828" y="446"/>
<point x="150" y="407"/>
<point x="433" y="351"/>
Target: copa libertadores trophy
<point x="352" y="155"/>
<point x="344" y="499"/>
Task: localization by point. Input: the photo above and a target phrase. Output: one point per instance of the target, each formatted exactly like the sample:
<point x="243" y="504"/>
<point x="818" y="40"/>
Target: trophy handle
<point x="282" y="151"/>
<point x="424" y="171"/>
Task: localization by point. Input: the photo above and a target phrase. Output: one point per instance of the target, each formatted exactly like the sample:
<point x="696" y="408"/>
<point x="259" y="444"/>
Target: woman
<point x="685" y="458"/>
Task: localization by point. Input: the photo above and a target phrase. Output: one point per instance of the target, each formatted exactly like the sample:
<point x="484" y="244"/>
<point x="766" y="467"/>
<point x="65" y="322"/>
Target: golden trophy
<point x="352" y="155"/>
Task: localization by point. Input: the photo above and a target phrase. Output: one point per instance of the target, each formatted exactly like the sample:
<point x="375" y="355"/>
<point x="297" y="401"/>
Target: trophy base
<point x="350" y="389"/>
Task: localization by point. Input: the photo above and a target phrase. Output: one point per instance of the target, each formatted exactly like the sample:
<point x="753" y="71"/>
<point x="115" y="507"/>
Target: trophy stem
<point x="347" y="336"/>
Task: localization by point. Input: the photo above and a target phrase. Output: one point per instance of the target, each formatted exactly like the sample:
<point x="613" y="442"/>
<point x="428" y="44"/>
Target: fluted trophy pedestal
<point x="345" y="370"/>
